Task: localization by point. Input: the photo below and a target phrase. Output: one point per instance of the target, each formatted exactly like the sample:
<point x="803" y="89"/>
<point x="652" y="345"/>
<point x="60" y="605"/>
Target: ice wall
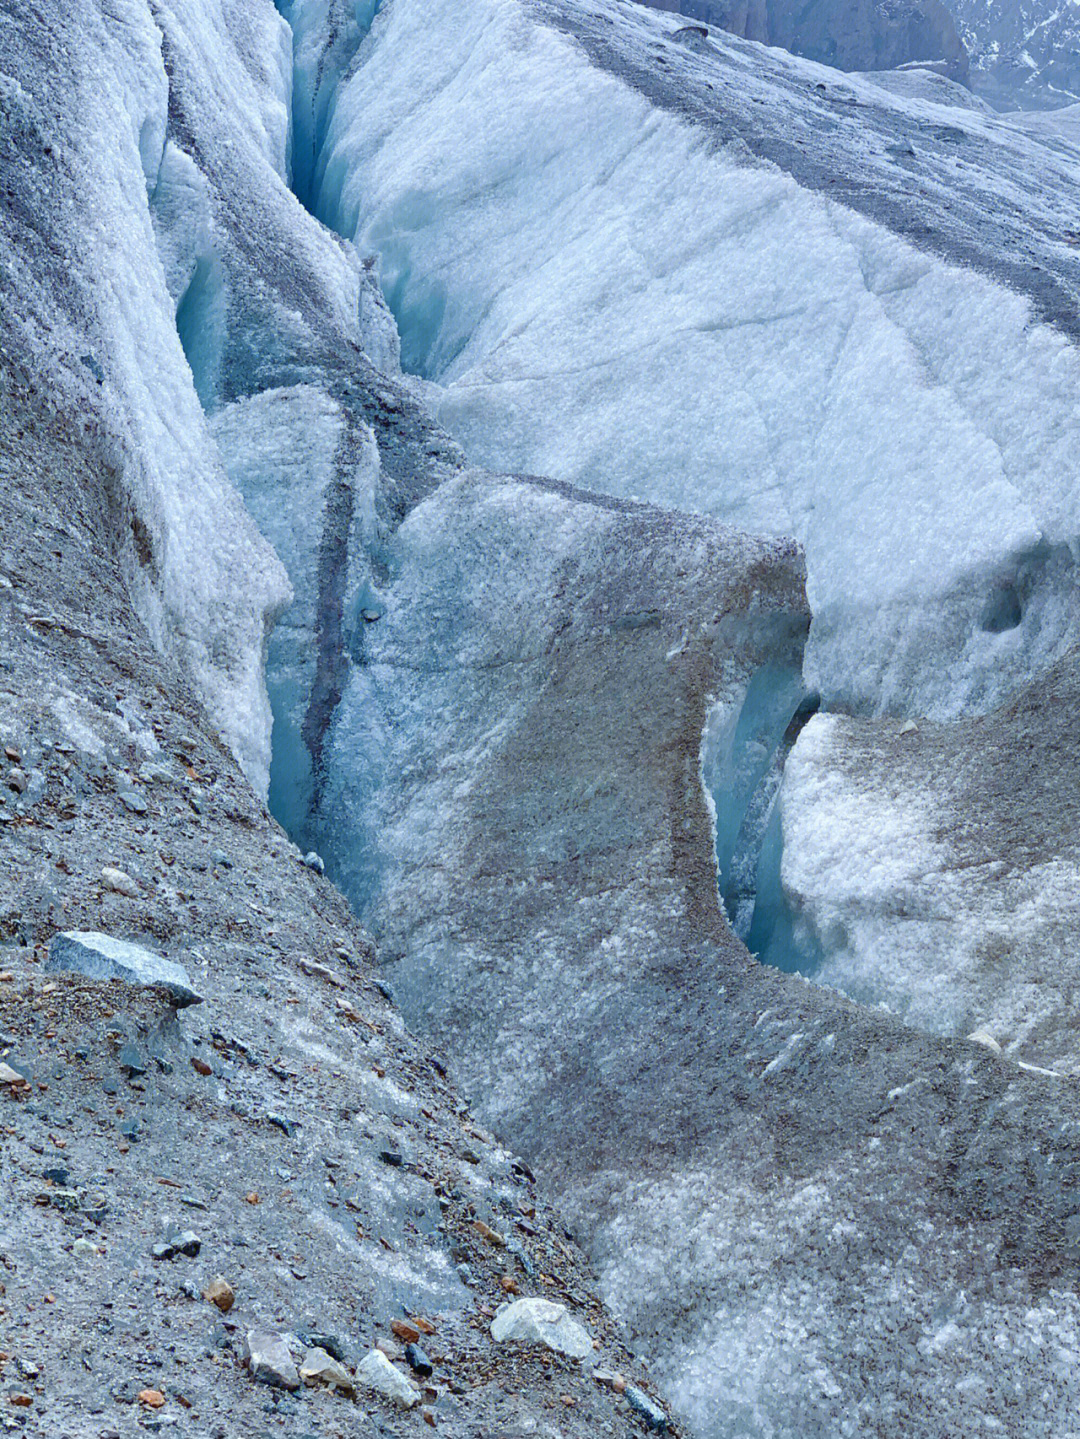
<point x="745" y="749"/>
<point x="84" y="297"/>
<point x="292" y="353"/>
<point x="513" y="781"/>
<point x="604" y="293"/>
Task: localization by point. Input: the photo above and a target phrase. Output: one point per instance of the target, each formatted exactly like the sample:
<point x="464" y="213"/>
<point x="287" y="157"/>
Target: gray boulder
<point x="269" y="1360"/>
<point x="101" y="956"/>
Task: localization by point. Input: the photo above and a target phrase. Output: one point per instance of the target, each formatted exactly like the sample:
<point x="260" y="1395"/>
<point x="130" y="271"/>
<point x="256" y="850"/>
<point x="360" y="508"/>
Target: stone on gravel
<point x="648" y="1408"/>
<point x="131" y="1061"/>
<point x="119" y="882"/>
<point x="418" y="1361"/>
<point x="986" y="1039"/>
<point x="541" y="1321"/>
<point x="100" y="956"/>
<point x="11" y="1076"/>
<point x="319" y="1368"/>
<point x="316" y="1339"/>
<point x="133" y="801"/>
<point x="220" y="1292"/>
<point x="376" y="1371"/>
<point x="176" y="1243"/>
<point x="269" y="1360"/>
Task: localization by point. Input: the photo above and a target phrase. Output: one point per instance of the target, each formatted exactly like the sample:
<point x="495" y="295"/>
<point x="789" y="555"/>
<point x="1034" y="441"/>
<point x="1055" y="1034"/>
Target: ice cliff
<point x="89" y="310"/>
<point x="641" y="465"/>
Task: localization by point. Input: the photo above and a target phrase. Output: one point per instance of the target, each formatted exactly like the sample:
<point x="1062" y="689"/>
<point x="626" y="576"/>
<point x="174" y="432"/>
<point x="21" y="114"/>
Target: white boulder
<point x="376" y="1371"/>
<point x="541" y="1321"/>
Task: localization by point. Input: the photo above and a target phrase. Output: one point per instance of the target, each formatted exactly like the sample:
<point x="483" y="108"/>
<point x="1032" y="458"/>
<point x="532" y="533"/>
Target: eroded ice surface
<point x="935" y="868"/>
<point x="309" y="483"/>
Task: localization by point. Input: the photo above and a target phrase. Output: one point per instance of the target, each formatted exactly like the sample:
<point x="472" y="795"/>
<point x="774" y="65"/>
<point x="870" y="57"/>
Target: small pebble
<point x="418" y="1360"/>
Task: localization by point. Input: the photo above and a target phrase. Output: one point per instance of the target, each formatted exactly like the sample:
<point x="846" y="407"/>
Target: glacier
<point x="590" y="440"/>
<point x="713" y="336"/>
<point x="89" y="315"/>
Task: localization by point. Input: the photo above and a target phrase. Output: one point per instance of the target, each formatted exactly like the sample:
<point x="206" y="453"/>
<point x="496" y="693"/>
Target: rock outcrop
<point x="1024" y="53"/>
<point x="848" y="34"/>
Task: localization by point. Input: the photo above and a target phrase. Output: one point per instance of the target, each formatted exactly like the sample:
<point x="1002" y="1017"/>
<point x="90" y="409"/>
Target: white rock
<point x="100" y="956"/>
<point x="119" y="882"/>
<point x="986" y="1039"/>
<point x="540" y="1321"/>
<point x="321" y="1368"/>
<point x="376" y="1371"/>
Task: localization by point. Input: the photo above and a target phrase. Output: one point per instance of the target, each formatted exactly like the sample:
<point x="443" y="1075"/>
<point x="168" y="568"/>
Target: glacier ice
<point x="779" y="1189"/>
<point x="284" y="332"/>
<point x="712" y="335"/>
<point x="937" y="869"/>
<point x="502" y="764"/>
<point x="89" y="302"/>
<point x="490" y="691"/>
<point x="308" y="477"/>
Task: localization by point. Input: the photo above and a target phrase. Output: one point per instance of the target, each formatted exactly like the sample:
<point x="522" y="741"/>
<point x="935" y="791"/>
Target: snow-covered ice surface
<point x="607" y="287"/>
